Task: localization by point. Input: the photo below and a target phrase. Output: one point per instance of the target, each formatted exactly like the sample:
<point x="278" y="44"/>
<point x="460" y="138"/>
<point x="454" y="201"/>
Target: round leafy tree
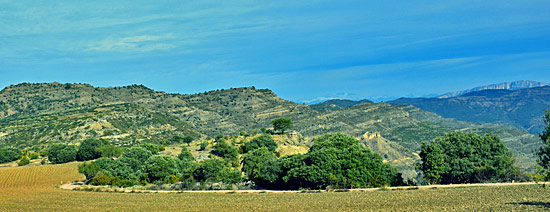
<point x="261" y="166"/>
<point x="281" y="124"/>
<point x="159" y="167"/>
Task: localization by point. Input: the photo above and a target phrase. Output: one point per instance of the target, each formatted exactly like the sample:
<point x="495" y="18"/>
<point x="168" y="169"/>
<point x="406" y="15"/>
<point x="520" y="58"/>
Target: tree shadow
<point x="541" y="204"/>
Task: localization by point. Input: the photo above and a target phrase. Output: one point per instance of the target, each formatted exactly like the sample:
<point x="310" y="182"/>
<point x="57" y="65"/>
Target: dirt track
<point x="77" y="187"/>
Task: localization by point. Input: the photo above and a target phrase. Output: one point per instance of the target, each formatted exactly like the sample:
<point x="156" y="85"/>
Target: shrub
<point x="185" y="155"/>
<point x="23" y="161"/>
<point x="264" y="140"/>
<point x="203" y="146"/>
<point x="102" y="179"/>
<point x="222" y="149"/>
<point x="34" y="156"/>
<point x="89" y="170"/>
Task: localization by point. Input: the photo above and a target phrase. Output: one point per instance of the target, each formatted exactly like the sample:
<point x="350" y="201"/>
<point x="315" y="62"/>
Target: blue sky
<point x="303" y="51"/>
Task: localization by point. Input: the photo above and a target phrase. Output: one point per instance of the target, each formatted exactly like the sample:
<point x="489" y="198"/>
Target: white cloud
<point x="136" y="43"/>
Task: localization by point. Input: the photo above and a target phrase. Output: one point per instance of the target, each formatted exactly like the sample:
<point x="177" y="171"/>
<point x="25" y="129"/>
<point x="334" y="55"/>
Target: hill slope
<point x="336" y="104"/>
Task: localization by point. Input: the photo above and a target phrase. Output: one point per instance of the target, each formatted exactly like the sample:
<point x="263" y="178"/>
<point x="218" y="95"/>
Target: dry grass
<point x="34" y="189"/>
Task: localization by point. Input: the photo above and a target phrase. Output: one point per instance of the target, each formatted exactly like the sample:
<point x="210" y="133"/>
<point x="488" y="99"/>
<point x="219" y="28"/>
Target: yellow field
<point x="34" y="189"/>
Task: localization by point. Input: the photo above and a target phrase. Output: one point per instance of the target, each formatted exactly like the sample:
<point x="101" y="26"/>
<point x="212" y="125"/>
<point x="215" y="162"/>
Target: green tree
<point x="110" y="151"/>
<point x="154" y="149"/>
<point x="88" y="149"/>
<point x="9" y="154"/>
<point x="138" y="153"/>
<point x="544" y="152"/>
<point x="261" y="141"/>
<point x="281" y="124"/>
<point x="62" y="153"/>
<point x="223" y="149"/>
<point x="115" y="168"/>
<point x="159" y="167"/>
<point x="208" y="170"/>
<point x="467" y="158"/>
<point x="185" y="139"/>
<point x="262" y="167"/>
<point x="188" y="139"/>
<point x="214" y="170"/>
<point x="433" y="162"/>
<point x="89" y="170"/>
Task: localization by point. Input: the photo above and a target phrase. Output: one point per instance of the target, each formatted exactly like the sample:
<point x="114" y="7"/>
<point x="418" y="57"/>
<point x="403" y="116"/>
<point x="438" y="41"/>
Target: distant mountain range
<point x="36" y="115"/>
<point x="516" y="85"/>
<point x="522" y="108"/>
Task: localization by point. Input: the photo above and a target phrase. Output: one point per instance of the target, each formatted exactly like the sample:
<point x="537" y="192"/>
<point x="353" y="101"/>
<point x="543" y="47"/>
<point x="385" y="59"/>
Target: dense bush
<point x="339" y="160"/>
<point x="264" y="140"/>
<point x="223" y="149"/>
<point x="154" y="149"/>
<point x="62" y="153"/>
<point x="185" y="155"/>
<point x="117" y="168"/>
<point x="203" y="146"/>
<point x="9" y="155"/>
<point x="88" y="149"/>
<point x="214" y="170"/>
<point x="138" y="153"/>
<point x="110" y="151"/>
<point x="23" y="161"/>
<point x="335" y="160"/>
<point x="34" y="155"/>
<point x="461" y="157"/>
